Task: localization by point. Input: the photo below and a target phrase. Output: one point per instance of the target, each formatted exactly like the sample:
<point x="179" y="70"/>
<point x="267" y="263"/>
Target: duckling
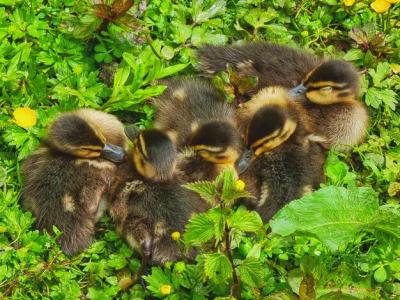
<point x="197" y="118"/>
<point x="68" y="177"/>
<point x="288" y="158"/>
<point x="328" y="90"/>
<point x="149" y="202"/>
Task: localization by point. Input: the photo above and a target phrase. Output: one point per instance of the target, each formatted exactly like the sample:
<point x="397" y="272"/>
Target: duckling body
<point x="197" y="118"/>
<point x="66" y="179"/>
<point x="328" y="90"/>
<point x="289" y="158"/>
<point x="147" y="208"/>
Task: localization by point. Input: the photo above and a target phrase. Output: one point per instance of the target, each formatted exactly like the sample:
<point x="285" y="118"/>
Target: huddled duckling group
<point x="276" y="142"/>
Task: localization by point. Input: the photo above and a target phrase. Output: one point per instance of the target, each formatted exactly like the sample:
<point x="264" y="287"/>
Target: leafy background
<point x="59" y="55"/>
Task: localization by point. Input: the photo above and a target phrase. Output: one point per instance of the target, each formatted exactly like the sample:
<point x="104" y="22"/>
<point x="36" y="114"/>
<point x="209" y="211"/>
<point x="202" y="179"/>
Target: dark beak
<point x="113" y="153"/>
<point x="244" y="161"/>
<point x="298" y="90"/>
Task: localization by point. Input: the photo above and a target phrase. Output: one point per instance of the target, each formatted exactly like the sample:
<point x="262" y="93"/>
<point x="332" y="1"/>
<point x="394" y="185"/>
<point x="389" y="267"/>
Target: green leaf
<point x="380" y="274"/>
<point x="217" y="267"/>
<point x="251" y="272"/>
<point x="200" y="229"/>
<point x="155" y="280"/>
<point x="202" y="14"/>
<point x="354" y="54"/>
<point x="333" y="214"/>
<point x="205" y="189"/>
<point x="244" y="220"/>
<point x="171" y="70"/>
<point x="377" y="97"/>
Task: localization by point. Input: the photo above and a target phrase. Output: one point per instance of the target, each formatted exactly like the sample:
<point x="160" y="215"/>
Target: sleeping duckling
<point x="328" y="90"/>
<point x="288" y="158"/>
<point x="67" y="178"/>
<point x="149" y="203"/>
<point x="197" y="118"/>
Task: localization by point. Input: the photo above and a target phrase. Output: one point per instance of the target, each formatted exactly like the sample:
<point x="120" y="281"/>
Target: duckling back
<point x="272" y="64"/>
<point x="188" y="103"/>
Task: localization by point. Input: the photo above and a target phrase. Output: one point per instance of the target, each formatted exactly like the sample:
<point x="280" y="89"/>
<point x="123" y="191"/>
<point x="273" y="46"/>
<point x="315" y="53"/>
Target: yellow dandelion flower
<point x="25" y="117"/>
<point x="176" y="235"/>
<point x="165" y="289"/>
<point x="240" y="185"/>
<point x="392" y="1"/>
<point x="380" y="6"/>
<point x="348" y="2"/>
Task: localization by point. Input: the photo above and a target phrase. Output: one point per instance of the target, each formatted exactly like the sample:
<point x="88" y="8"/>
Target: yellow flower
<point x="25" y="117"/>
<point x="380" y="6"/>
<point x="240" y="185"/>
<point x="165" y="289"/>
<point x="348" y="2"/>
<point x="392" y="1"/>
<point x="176" y="235"/>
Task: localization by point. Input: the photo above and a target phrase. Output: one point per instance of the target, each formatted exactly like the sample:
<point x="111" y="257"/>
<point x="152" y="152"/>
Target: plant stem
<point x="235" y="289"/>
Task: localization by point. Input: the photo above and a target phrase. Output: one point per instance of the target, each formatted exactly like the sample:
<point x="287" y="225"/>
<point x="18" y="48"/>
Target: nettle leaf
<point x="333" y="214"/>
<point x="244" y="220"/>
<point x="217" y="267"/>
<point x="200" y="229"/>
<point x="218" y="217"/>
<point x="251" y="272"/>
<point x="206" y="190"/>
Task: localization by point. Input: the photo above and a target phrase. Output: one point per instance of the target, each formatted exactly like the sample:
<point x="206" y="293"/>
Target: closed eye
<point x="327" y="89"/>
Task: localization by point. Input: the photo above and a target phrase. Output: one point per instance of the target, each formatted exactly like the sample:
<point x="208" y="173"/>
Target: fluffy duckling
<point x="328" y="90"/>
<point x="288" y="158"/>
<point x="197" y="118"/>
<point x="67" y="178"/>
<point x="149" y="203"/>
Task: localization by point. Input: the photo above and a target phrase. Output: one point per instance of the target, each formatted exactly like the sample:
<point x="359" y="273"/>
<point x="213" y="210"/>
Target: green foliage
<point x="60" y="55"/>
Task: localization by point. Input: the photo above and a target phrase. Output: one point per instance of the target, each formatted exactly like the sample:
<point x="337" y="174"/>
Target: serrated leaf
<point x="244" y="220"/>
<point x="200" y="229"/>
<point x="333" y="214"/>
<point x="217" y="266"/>
<point x="202" y="14"/>
<point x="251" y="272"/>
<point x="205" y="189"/>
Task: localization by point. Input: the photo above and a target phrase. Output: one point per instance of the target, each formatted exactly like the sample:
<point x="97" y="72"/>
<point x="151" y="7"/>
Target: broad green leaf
<point x="200" y="229"/>
<point x="217" y="266"/>
<point x="156" y="279"/>
<point x="251" y="272"/>
<point x="333" y="214"/>
<point x="120" y="78"/>
<point x="244" y="220"/>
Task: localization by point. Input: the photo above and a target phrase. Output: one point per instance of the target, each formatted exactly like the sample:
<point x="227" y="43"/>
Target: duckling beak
<point x="113" y="153"/>
<point x="244" y="161"/>
<point x="298" y="90"/>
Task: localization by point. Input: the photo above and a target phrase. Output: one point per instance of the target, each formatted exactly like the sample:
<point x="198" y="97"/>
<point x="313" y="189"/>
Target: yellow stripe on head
<point x="326" y="83"/>
<point x="142" y="145"/>
<point x="267" y="143"/>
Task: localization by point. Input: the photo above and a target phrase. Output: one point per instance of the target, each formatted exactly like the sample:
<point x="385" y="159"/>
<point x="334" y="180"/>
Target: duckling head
<point x="331" y="82"/>
<point x="270" y="127"/>
<point x="73" y="135"/>
<point x="154" y="155"/>
<point x="217" y="142"/>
